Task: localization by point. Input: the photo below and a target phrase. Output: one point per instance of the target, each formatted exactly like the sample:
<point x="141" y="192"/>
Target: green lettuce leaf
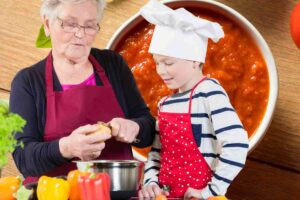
<point x="10" y="124"/>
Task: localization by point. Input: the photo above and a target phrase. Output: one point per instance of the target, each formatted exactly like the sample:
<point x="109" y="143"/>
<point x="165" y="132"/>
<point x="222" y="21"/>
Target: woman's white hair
<point x="49" y="7"/>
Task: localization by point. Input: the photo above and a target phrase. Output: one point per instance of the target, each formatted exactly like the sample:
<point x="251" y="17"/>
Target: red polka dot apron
<point x="182" y="164"/>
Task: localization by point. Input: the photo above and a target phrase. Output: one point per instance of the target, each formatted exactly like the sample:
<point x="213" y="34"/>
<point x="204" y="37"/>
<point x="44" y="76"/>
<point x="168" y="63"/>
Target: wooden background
<point x="273" y="168"/>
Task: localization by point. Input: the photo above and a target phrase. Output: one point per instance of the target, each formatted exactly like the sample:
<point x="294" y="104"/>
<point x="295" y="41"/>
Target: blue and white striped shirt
<point x="217" y="130"/>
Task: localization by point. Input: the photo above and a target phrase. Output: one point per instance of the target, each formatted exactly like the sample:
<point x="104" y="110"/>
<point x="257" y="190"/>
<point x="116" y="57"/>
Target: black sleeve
<point x="138" y="111"/>
<point x="37" y="156"/>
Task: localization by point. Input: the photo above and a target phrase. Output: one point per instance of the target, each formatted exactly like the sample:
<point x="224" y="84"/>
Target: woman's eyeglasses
<point x="74" y="28"/>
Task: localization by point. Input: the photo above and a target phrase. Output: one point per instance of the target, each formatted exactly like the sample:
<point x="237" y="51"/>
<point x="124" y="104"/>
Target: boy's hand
<point x="192" y="193"/>
<point x="151" y="191"/>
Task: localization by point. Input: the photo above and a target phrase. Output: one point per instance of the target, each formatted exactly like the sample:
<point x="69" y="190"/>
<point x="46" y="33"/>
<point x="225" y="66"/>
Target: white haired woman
<point x="64" y="95"/>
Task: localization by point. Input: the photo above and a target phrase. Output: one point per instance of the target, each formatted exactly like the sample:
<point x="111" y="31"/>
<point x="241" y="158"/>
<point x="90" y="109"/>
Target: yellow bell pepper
<point x="53" y="189"/>
<point x="8" y="187"/>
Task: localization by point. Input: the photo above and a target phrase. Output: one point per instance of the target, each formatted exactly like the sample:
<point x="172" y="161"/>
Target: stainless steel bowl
<point x="125" y="175"/>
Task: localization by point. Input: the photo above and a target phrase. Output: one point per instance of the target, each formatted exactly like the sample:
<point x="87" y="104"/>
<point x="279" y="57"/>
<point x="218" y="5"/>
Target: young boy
<point x="202" y="145"/>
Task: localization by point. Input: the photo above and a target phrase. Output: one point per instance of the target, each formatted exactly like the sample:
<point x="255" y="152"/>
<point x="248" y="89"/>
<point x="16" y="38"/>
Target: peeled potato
<point x="102" y="128"/>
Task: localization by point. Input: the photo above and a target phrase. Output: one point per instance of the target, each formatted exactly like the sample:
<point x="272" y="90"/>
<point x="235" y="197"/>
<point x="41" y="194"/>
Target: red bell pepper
<point x="95" y="186"/>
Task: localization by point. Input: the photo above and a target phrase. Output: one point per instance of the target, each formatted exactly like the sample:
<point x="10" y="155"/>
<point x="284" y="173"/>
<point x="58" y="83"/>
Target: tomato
<point x="295" y="24"/>
<point x="161" y="197"/>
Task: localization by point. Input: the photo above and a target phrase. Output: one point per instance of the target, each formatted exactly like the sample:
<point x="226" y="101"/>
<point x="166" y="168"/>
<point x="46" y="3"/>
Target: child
<point x="202" y="145"/>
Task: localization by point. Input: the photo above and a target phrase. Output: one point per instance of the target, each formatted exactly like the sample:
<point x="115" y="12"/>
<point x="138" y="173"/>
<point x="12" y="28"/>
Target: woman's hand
<point x="124" y="130"/>
<point x="80" y="143"/>
<point x="192" y="193"/>
<point x="151" y="191"/>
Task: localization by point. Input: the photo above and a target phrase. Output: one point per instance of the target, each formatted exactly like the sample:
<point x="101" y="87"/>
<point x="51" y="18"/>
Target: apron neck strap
<point x="192" y="91"/>
<point x="99" y="69"/>
<point x="160" y="105"/>
<point x="49" y="72"/>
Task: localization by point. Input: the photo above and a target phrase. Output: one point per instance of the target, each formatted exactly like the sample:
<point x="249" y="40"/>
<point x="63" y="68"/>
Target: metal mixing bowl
<point x="125" y="175"/>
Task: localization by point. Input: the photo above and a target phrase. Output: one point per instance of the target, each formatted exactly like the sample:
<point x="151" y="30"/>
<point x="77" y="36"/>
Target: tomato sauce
<point x="235" y="61"/>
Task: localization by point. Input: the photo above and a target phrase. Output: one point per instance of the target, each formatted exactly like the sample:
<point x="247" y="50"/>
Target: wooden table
<point x="273" y="168"/>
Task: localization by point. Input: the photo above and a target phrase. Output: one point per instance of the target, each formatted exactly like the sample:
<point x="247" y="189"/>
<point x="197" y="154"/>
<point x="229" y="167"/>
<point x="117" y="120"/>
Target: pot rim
<point x="111" y="163"/>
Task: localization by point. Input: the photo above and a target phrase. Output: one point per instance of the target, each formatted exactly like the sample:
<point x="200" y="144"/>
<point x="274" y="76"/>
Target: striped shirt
<point x="217" y="130"/>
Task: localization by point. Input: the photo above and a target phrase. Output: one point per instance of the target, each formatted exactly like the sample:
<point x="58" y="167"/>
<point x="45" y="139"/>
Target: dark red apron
<point x="182" y="164"/>
<point x="70" y="109"/>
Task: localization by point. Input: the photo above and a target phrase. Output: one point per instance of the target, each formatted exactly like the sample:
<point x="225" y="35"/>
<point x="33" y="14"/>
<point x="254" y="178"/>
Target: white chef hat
<point x="178" y="33"/>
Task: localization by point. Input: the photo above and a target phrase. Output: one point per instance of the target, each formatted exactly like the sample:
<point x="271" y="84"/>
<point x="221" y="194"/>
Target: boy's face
<point x="177" y="73"/>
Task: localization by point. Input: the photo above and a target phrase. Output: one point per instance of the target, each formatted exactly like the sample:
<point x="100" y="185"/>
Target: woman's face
<point x="72" y="45"/>
<point x="177" y="73"/>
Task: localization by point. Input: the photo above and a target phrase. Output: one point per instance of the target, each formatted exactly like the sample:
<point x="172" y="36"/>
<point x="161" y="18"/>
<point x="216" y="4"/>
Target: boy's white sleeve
<point x="152" y="165"/>
<point x="232" y="142"/>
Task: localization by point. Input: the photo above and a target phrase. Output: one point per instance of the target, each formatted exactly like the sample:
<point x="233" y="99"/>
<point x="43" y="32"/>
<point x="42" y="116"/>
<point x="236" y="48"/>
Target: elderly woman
<point x="64" y="95"/>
